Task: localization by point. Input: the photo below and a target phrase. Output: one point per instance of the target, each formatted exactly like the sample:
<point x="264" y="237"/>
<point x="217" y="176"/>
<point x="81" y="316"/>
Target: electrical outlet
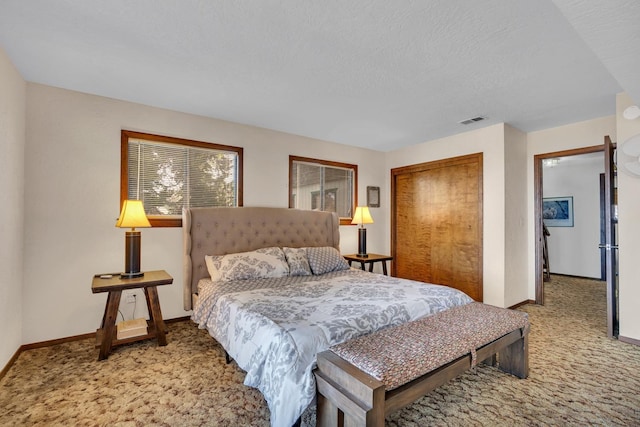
<point x="130" y="298"/>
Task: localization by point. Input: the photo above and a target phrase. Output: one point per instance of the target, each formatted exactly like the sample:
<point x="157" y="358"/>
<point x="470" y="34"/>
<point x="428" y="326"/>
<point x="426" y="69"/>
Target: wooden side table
<point x="371" y="259"/>
<point x="106" y="336"/>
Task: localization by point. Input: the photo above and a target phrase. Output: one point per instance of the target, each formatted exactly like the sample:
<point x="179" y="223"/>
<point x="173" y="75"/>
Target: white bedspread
<point x="274" y="328"/>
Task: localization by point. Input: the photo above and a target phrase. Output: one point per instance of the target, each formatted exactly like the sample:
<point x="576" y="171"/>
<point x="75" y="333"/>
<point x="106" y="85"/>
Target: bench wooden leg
<point x="491" y="361"/>
<point x="347" y="396"/>
<point x="514" y="359"/>
<point x="326" y="413"/>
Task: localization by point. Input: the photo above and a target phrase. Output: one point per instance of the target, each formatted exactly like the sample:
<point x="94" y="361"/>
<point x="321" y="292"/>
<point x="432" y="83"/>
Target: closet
<point x="436" y="223"/>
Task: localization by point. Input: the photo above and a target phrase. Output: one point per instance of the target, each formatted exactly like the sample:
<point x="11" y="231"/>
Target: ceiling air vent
<point x="473" y="120"/>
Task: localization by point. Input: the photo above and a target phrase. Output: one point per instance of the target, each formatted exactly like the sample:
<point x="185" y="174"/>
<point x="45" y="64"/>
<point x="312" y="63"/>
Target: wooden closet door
<point x="436" y="230"/>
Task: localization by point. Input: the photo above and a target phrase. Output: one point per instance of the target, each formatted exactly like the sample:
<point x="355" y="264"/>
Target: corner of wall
<point x="516" y="218"/>
<point x="628" y="230"/>
<point x="12" y="149"/>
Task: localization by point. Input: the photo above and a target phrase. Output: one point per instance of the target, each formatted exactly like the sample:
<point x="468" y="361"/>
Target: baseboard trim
<point x="629" y="340"/>
<point x="57" y="341"/>
<point x="49" y="343"/>
<point x="10" y="363"/>
<point x="178" y="319"/>
<point x="597" y="279"/>
<point x="520" y="304"/>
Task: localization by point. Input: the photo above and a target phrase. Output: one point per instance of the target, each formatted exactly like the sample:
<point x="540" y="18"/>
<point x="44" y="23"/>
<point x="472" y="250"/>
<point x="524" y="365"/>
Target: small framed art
<point x="557" y="211"/>
<point x="373" y="197"/>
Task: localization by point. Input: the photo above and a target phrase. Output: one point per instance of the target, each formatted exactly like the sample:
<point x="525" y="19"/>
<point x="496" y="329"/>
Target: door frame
<point x="611" y="242"/>
<point x="537" y="210"/>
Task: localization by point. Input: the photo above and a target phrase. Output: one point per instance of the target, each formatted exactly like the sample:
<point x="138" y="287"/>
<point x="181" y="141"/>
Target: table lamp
<point x="362" y="216"/>
<point x="132" y="216"/>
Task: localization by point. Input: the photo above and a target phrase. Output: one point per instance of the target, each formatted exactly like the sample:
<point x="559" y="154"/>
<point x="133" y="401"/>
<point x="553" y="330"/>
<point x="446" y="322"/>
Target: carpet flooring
<point x="578" y="377"/>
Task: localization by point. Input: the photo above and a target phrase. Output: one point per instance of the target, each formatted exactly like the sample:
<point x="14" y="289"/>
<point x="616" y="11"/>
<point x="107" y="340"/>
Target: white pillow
<point x="261" y="263"/>
<point x="297" y="260"/>
<point x="325" y="259"/>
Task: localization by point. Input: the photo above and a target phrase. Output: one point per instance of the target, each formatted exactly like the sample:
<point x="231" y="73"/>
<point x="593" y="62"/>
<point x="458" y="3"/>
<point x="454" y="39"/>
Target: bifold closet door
<point x="436" y="232"/>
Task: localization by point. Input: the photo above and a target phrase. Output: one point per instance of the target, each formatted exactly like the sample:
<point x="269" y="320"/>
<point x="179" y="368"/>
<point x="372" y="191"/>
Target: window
<point x="323" y="185"/>
<point x="168" y="174"/>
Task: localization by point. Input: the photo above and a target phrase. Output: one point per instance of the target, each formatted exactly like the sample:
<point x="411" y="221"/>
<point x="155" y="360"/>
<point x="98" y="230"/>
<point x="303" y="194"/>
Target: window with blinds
<point x="168" y="174"/>
<point x="323" y="185"/>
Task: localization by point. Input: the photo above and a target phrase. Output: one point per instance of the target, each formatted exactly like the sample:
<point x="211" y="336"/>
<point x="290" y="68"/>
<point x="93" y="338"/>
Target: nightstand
<point x="371" y="259"/>
<point x="106" y="336"/>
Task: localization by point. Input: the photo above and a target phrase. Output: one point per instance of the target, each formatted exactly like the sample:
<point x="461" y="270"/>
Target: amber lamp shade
<point x="132" y="216"/>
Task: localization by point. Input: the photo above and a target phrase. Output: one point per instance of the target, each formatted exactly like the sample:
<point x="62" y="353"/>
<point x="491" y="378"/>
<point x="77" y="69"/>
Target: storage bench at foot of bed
<point x="362" y="380"/>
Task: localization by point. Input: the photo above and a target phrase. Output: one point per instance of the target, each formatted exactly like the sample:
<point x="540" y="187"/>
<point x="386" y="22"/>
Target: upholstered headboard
<point x="220" y="231"/>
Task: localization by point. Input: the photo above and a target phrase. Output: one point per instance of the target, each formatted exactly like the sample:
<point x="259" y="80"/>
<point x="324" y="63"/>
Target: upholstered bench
<point x="362" y="380"/>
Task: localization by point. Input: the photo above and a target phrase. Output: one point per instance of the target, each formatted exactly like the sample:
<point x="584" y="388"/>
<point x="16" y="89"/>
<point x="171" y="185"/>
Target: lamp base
<point x="132" y="256"/>
<point x="362" y="242"/>
<point x="131" y="275"/>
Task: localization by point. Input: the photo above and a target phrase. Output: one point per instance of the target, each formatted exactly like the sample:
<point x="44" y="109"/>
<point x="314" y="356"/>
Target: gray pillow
<point x="258" y="264"/>
<point x="325" y="259"/>
<point x="297" y="260"/>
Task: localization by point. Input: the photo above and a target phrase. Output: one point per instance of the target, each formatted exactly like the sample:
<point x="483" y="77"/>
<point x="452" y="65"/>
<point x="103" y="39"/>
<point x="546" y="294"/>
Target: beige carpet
<point x="577" y="377"/>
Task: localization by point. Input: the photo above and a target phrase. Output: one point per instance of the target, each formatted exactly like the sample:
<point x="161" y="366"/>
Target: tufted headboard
<point x="220" y="231"/>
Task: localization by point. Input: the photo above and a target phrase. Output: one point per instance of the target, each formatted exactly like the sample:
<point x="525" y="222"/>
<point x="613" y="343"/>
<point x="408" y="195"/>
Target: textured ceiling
<point x="371" y="73"/>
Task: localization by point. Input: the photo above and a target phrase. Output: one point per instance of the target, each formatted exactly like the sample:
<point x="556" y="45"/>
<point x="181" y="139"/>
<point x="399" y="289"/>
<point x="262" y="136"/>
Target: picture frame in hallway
<point x="557" y="211"/>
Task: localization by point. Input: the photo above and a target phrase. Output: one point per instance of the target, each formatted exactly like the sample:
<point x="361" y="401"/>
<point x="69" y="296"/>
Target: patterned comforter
<point x="274" y="328"/>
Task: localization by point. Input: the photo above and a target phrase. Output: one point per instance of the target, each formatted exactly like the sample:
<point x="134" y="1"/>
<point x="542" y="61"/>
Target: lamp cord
<point x="133" y="315"/>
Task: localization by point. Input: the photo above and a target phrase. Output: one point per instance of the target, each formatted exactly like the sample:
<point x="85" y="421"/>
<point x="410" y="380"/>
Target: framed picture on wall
<point x="557" y="211"/>
<point x="373" y="197"/>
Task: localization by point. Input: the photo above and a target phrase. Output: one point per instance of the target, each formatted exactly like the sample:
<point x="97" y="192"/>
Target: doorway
<point x="586" y="260"/>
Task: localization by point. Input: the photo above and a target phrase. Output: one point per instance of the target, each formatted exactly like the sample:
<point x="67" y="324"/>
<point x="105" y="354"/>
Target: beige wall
<point x="72" y="196"/>
<point x="629" y="232"/>
<point x="12" y="142"/>
<point x="515" y="217"/>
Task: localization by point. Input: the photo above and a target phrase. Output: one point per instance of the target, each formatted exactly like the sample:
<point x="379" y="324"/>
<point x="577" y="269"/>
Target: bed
<point x="274" y="317"/>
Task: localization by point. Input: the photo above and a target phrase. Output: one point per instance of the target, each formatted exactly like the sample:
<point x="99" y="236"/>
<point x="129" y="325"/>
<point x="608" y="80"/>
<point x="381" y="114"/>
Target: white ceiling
<point x="372" y="73"/>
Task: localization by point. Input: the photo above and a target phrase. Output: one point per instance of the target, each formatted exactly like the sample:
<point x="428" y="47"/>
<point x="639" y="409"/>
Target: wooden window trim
<point x="124" y="169"/>
<point x="354" y="203"/>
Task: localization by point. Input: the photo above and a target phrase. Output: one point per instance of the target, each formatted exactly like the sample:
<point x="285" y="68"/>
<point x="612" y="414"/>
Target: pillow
<point x="325" y="259"/>
<point x="297" y="260"/>
<point x="261" y="263"/>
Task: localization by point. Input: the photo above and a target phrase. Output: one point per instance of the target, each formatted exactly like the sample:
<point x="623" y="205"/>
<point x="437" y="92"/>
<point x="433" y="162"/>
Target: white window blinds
<point x="168" y="177"/>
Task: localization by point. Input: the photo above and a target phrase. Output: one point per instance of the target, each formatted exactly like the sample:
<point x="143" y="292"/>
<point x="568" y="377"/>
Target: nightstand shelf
<point x="151" y="333"/>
